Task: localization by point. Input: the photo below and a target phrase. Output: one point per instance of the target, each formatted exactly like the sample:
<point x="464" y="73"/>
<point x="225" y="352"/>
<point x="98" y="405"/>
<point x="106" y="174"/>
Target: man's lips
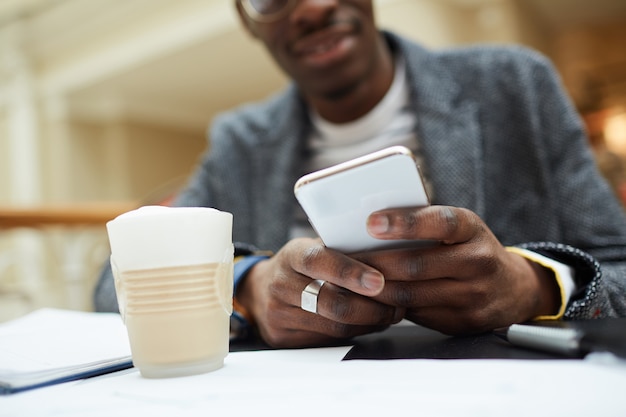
<point x="324" y="45"/>
<point x="319" y="47"/>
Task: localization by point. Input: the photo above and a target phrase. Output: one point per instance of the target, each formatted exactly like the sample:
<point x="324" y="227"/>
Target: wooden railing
<point x="73" y="236"/>
<point x="79" y="214"/>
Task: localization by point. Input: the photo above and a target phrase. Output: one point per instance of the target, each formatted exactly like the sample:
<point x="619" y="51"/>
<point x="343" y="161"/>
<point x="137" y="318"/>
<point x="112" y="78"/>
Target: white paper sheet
<point x="51" y="338"/>
<point x="315" y="382"/>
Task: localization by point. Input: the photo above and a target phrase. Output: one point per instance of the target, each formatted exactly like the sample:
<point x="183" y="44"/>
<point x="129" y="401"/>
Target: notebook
<point x="51" y="346"/>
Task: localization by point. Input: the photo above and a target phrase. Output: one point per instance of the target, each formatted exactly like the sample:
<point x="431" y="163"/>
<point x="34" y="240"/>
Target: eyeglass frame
<point x="262" y="18"/>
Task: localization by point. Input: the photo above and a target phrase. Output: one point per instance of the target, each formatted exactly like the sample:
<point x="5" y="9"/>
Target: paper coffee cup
<point x="173" y="270"/>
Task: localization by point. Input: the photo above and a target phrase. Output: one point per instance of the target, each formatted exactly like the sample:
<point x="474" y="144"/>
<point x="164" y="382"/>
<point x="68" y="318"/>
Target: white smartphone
<point x="339" y="199"/>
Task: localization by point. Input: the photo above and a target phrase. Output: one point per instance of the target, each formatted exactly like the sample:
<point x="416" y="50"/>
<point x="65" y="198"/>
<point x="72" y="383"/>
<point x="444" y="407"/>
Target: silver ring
<point x="308" y="301"/>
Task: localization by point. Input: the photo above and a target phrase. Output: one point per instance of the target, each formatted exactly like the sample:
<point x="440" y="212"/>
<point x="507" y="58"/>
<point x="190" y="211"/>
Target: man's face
<point x="327" y="46"/>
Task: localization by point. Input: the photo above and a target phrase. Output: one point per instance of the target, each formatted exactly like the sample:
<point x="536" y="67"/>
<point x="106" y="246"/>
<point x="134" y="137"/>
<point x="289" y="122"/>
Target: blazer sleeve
<point x="592" y="220"/>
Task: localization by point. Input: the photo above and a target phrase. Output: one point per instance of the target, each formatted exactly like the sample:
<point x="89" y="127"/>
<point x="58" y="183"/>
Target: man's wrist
<point x="242" y="320"/>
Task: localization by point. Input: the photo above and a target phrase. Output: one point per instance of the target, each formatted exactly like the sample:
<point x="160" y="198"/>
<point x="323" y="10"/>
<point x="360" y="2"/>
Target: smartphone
<point x="338" y="200"/>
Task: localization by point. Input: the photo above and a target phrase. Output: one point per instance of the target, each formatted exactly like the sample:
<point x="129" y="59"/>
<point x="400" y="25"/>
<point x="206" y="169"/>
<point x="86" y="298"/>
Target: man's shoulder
<point x="259" y="115"/>
<point x="493" y="55"/>
<point x="477" y="57"/>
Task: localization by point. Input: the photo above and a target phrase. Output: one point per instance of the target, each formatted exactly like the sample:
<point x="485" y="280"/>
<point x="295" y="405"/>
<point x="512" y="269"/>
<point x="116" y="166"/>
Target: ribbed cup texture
<point x="172" y="289"/>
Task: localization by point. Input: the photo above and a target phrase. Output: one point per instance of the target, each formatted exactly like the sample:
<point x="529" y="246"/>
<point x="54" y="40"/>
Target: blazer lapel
<point x="448" y="131"/>
<point x="453" y="157"/>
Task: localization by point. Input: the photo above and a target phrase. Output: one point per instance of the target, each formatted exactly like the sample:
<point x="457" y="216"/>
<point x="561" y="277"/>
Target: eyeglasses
<point x="266" y="11"/>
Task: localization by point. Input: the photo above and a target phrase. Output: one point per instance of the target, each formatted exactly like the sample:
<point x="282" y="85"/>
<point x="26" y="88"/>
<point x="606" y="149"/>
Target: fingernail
<point x="373" y="281"/>
<point x="378" y="224"/>
<point x="398" y="315"/>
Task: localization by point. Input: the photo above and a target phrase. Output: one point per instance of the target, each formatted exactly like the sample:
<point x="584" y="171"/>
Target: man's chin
<point x="339" y="92"/>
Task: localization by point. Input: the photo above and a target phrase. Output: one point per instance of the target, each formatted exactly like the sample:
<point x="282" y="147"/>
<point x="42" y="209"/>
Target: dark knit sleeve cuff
<point x="588" y="276"/>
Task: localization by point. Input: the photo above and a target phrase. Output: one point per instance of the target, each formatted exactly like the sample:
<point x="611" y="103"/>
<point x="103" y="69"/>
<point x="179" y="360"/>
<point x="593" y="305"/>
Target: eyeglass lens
<point x="267" y="7"/>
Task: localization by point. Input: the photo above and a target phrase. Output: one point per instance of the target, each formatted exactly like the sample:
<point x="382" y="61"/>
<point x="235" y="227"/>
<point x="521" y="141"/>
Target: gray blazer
<point x="498" y="136"/>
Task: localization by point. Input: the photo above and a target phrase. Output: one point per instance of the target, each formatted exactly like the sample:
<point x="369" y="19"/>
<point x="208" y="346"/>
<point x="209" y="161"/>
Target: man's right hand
<point x="272" y="294"/>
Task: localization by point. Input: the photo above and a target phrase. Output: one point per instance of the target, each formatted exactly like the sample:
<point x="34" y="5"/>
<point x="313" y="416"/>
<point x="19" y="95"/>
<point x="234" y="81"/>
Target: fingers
<point x="469" y="248"/>
<point x="337" y="304"/>
<point x="316" y="261"/>
<point x="319" y="330"/>
<point x="458" y="322"/>
<point x="449" y="292"/>
<point x="341" y="314"/>
<point x="446" y="224"/>
<point x="410" y="265"/>
<point x="345" y="307"/>
<point x="273" y="292"/>
<point x="349" y="284"/>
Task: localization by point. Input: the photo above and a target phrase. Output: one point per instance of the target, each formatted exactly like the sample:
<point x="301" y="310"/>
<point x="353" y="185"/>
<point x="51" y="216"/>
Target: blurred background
<point x="104" y="106"/>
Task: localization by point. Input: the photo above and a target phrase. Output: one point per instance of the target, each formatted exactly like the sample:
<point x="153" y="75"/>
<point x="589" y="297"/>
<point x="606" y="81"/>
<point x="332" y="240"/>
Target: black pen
<point x="563" y="341"/>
